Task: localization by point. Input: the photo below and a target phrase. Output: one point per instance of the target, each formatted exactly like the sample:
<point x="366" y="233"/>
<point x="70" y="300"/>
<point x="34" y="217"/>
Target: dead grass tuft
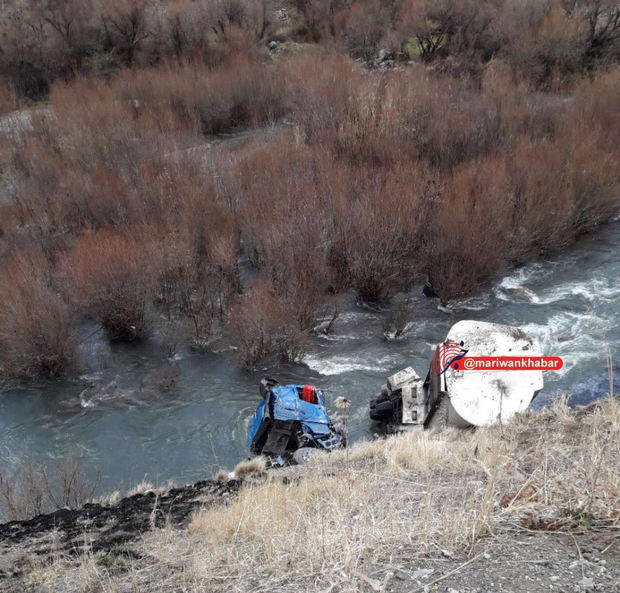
<point x="250" y="467"/>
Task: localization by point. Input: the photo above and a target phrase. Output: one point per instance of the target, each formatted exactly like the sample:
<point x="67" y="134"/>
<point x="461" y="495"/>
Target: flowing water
<point x="136" y="414"/>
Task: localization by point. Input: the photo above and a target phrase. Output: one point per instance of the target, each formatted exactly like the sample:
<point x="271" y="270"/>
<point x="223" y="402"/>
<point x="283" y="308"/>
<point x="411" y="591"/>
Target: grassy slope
<point x="349" y="520"/>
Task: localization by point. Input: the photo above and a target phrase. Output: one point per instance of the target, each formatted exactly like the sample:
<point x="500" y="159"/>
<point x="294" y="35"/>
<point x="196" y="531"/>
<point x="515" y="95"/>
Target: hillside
<point x="533" y="505"/>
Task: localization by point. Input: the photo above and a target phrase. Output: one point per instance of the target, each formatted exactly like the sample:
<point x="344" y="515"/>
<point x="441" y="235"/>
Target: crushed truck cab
<point x="455" y="397"/>
<point x="290" y="418"/>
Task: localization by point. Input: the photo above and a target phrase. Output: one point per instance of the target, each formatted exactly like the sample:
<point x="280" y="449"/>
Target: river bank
<point x="183" y="419"/>
<point x="528" y="506"/>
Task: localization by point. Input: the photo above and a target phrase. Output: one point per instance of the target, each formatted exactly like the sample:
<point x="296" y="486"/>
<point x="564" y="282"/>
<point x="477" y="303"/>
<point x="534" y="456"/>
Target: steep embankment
<point x="533" y="505"/>
<point x="102" y="528"/>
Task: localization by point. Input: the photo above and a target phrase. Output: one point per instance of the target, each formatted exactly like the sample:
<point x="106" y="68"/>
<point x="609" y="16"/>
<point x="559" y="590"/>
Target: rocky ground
<point x="533" y="562"/>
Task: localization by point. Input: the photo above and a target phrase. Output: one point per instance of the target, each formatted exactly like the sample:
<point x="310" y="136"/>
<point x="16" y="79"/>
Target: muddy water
<point x="135" y="414"/>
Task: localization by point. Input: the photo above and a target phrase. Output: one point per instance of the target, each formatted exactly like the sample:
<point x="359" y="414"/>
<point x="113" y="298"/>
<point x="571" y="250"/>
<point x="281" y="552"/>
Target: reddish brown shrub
<point x="379" y="231"/>
<point x="110" y="278"/>
<point x="197" y="279"/>
<point x="471" y="235"/>
<point x="318" y="87"/>
<point x="8" y="99"/>
<point x="37" y="330"/>
<point x="261" y="323"/>
<point x="287" y="223"/>
<point x="242" y="93"/>
<point x="366" y="26"/>
<point x="544" y="45"/>
<point x="543" y="196"/>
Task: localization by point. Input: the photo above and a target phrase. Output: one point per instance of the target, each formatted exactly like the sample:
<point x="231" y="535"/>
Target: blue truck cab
<point x="291" y="417"/>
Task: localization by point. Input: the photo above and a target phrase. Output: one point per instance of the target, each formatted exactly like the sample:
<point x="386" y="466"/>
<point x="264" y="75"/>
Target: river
<point x="135" y="415"/>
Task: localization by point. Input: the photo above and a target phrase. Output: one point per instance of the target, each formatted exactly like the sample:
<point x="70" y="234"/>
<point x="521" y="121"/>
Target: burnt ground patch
<point x="97" y="527"/>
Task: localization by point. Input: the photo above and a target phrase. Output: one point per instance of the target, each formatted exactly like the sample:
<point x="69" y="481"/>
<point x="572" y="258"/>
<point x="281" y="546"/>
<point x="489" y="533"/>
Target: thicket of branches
<point x="43" y="40"/>
<point x="500" y="142"/>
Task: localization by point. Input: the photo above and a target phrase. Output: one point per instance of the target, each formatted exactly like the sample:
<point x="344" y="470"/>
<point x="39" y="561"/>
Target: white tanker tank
<point x="459" y="397"/>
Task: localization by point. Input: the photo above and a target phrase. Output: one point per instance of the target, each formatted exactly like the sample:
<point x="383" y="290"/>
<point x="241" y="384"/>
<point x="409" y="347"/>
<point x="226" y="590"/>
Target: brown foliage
<point x="358" y="180"/>
<point x="471" y="232"/>
<point x="109" y="277"/>
<point x="261" y="323"/>
<point x="37" y="329"/>
<point x="8" y="99"/>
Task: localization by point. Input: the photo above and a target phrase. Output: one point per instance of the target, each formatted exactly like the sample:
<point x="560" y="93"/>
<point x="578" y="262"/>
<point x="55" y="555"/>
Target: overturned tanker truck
<point x="453" y="396"/>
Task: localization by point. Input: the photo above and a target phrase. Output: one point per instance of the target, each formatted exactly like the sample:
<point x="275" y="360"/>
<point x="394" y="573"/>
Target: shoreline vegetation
<point x="378" y="512"/>
<point x="386" y="142"/>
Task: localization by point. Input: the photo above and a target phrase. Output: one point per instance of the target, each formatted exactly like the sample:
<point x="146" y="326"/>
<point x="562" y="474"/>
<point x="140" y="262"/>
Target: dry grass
<point x="251" y="467"/>
<point x="348" y="517"/>
<point x="142" y="488"/>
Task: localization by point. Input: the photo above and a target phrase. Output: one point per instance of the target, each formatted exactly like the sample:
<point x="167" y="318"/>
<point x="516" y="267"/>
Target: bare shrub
<point x="35" y="489"/>
<point x="544" y="200"/>
<point x="198" y="280"/>
<point x="110" y="278"/>
<point x="318" y="88"/>
<point x="128" y="25"/>
<point x="379" y="230"/>
<point x="287" y="223"/>
<point x="67" y="485"/>
<point x="37" y="329"/>
<point x="544" y="45"/>
<point x="261" y="324"/>
<point x="241" y="94"/>
<point x="399" y="318"/>
<point x="365" y="26"/>
<point x="23" y="494"/>
<point x="8" y="99"/>
<point x="471" y="230"/>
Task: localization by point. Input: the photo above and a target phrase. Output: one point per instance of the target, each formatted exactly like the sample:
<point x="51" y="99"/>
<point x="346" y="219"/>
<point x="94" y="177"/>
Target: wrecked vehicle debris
<point x="456" y="397"/>
<point x="289" y="421"/>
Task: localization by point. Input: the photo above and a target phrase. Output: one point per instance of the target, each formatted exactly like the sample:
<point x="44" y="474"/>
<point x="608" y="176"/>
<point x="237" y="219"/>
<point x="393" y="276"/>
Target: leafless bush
<point x="379" y="233"/>
<point x="110" y="278"/>
<point x="37" y="329"/>
<point x="261" y="323"/>
<point x="22" y="495"/>
<point x="399" y="318"/>
<point x="67" y="484"/>
<point x="8" y="99"/>
<point x="35" y="489"/>
<point x="198" y="281"/>
<point x="472" y="223"/>
<point x="128" y="25"/>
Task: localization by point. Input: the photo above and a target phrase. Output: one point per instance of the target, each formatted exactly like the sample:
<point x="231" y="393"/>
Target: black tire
<point x="382" y="410"/>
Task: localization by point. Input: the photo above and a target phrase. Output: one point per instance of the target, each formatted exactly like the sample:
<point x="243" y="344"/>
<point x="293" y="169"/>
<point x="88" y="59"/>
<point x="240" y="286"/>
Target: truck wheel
<point x="439" y="420"/>
<point x="381" y="410"/>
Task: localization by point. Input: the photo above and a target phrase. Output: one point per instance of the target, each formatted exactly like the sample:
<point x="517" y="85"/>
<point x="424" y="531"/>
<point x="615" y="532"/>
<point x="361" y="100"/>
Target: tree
<point x="71" y="21"/>
<point x="128" y="24"/>
<point x="603" y="25"/>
